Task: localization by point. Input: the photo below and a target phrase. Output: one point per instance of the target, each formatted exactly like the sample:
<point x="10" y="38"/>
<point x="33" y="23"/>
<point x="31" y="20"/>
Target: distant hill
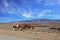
<point x="37" y="21"/>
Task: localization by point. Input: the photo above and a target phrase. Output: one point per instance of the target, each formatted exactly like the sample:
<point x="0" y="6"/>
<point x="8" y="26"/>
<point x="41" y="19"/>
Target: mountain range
<point x="37" y="21"/>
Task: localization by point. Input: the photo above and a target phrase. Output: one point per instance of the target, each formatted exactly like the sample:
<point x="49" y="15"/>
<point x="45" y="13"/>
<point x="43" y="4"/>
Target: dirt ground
<point x="28" y="35"/>
<point x="39" y="33"/>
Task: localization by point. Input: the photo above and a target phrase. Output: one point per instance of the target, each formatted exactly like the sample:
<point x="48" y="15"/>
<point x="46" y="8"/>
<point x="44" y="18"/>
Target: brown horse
<point x="23" y="26"/>
<point x="16" y="28"/>
<point x="29" y="26"/>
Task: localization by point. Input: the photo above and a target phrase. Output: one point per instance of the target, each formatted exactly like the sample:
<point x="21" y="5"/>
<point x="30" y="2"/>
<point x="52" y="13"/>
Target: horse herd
<point x="23" y="26"/>
<point x="28" y="26"/>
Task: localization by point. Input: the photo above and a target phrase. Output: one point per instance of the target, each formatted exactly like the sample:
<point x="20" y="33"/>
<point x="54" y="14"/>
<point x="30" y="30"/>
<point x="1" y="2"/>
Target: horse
<point x="29" y="26"/>
<point x="16" y="27"/>
<point x="23" y="26"/>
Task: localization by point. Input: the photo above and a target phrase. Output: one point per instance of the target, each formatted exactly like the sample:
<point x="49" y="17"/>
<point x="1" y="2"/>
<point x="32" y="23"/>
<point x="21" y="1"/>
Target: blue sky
<point x="16" y="10"/>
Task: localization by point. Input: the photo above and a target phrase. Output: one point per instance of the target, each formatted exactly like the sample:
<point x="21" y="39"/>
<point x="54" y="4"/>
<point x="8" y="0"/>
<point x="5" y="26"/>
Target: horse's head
<point x="17" y="25"/>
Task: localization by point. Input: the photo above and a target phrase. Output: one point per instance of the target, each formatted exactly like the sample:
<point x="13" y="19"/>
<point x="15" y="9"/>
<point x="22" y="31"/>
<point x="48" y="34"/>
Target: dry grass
<point x="31" y="35"/>
<point x="37" y="34"/>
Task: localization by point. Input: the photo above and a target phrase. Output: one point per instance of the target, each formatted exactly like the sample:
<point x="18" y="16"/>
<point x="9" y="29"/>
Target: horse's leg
<point x="18" y="28"/>
<point x="15" y="29"/>
<point x="21" y="29"/>
<point x="32" y="28"/>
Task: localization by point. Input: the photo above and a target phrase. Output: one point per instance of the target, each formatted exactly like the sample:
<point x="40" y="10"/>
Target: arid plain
<point x="39" y="33"/>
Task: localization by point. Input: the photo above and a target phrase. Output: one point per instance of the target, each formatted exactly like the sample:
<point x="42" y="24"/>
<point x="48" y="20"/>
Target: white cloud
<point x="43" y="12"/>
<point x="52" y="2"/>
<point x="27" y="15"/>
<point x="6" y="3"/>
<point x="46" y="10"/>
<point x="58" y="2"/>
<point x="40" y="15"/>
<point x="57" y="16"/>
<point x="11" y="10"/>
<point x="9" y="7"/>
<point x="34" y="14"/>
<point x="54" y="16"/>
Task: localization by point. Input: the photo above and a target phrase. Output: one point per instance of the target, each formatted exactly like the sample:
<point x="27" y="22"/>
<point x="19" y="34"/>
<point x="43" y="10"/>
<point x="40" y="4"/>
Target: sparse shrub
<point x="52" y="28"/>
<point x="58" y="29"/>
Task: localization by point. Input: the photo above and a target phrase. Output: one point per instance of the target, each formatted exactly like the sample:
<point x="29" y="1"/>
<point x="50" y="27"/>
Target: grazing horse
<point x="16" y="27"/>
<point x="29" y="26"/>
<point x="23" y="26"/>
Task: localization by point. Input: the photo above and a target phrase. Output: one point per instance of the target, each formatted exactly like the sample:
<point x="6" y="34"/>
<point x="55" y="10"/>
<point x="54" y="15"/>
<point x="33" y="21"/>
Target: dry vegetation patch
<point x="31" y="35"/>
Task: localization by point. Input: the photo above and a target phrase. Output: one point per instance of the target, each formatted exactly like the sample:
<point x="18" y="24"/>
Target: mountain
<point x="37" y="21"/>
